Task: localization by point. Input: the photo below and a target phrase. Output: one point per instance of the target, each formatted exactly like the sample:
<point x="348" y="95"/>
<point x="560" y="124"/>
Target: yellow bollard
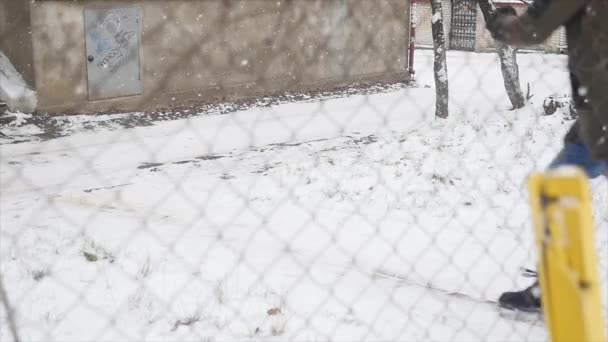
<point x="563" y="225"/>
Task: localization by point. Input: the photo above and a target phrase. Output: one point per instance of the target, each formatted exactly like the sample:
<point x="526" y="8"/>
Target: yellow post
<point x="563" y="225"/>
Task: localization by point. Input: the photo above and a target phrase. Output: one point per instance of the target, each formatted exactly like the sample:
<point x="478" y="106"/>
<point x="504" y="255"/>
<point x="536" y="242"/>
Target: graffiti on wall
<point x="111" y="40"/>
<point x="112" y="52"/>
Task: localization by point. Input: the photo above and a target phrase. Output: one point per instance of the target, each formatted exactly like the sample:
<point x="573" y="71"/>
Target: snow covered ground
<point x="358" y="218"/>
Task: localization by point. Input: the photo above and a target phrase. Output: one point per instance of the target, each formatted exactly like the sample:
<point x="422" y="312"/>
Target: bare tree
<point x="508" y="61"/>
<point x="440" y="64"/>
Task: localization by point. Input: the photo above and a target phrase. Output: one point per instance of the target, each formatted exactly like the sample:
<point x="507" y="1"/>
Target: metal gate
<point x="464" y="23"/>
<point x="112" y="52"/>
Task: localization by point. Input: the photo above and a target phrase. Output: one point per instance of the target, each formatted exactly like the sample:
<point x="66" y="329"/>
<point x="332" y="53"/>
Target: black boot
<point x="527" y="300"/>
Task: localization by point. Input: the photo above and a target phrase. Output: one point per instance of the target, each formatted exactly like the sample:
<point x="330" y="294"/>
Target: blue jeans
<point x="575" y="154"/>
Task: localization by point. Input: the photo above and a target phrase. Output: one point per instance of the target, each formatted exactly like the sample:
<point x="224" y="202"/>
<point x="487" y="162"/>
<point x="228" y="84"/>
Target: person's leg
<point x="576" y="154"/>
<point x="528" y="299"/>
<point x="573" y="153"/>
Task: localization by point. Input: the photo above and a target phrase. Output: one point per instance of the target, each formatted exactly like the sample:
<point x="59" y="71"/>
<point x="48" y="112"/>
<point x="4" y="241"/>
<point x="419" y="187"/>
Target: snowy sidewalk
<point x="357" y="218"/>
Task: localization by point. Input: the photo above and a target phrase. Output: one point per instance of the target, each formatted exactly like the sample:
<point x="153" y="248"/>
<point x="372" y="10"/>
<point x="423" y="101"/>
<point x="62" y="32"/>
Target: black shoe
<point x="527" y="300"/>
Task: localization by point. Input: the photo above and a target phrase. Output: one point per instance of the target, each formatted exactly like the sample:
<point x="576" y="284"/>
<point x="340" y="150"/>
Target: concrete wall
<point x="15" y="39"/>
<point x="192" y="50"/>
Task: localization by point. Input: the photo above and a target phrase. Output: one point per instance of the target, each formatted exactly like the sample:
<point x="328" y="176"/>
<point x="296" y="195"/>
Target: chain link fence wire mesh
<point x="339" y="213"/>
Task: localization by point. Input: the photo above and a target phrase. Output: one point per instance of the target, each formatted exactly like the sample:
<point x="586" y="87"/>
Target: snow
<point x="566" y="171"/>
<point x="357" y="218"/>
<point x="443" y="75"/>
<point x="569" y="202"/>
<point x="436" y="17"/>
<point x="13" y="89"/>
<point x="582" y="91"/>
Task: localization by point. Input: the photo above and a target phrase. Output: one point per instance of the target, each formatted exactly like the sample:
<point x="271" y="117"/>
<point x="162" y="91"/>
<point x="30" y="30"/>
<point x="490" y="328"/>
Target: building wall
<point x="193" y="50"/>
<point x="424" y="33"/>
<point x="484" y="41"/>
<point x="15" y="39"/>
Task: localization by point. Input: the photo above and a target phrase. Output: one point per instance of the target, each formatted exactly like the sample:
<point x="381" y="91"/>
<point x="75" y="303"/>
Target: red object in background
<point x="412" y="45"/>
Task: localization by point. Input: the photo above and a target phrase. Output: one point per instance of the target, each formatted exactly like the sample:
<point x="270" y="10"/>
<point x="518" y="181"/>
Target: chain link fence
<point x="341" y="210"/>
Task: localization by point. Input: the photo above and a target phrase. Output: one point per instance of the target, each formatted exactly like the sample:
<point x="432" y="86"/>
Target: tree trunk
<point x="510" y="74"/>
<point x="508" y="61"/>
<point x="440" y="64"/>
